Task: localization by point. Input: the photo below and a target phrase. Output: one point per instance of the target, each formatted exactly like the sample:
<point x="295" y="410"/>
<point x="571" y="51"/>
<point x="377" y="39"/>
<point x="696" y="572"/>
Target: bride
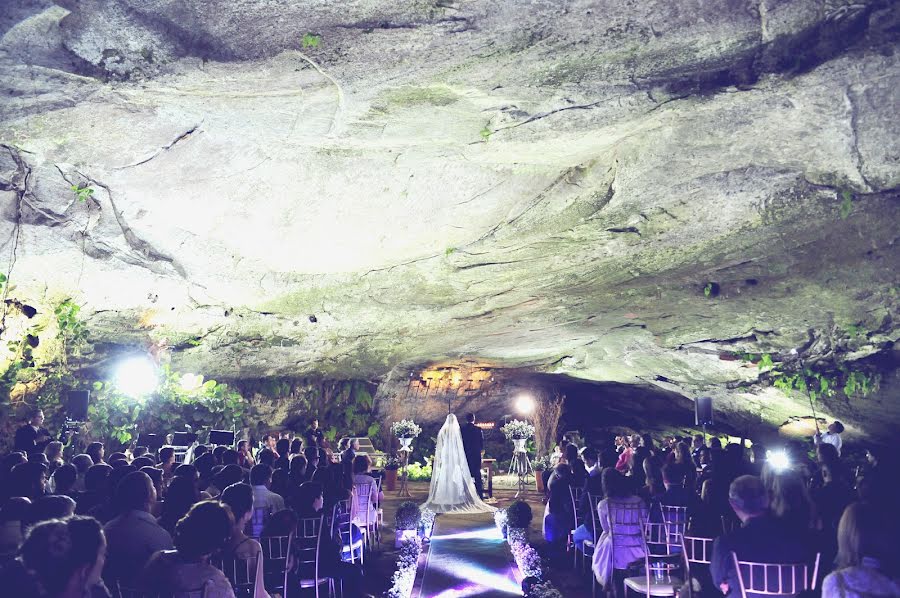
<point x="452" y="488"/>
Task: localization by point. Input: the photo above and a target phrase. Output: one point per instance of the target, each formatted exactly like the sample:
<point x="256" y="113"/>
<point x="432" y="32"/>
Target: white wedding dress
<point x="452" y="487"/>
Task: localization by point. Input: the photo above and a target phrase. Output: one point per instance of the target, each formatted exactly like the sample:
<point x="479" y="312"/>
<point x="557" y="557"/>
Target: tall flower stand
<point x="405" y="450"/>
<point x="520" y="464"/>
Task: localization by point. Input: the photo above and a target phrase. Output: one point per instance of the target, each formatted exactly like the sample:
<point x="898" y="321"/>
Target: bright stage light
<point x="190" y="382"/>
<point x="779" y="460"/>
<point x="136" y="377"/>
<point x="524" y="404"/>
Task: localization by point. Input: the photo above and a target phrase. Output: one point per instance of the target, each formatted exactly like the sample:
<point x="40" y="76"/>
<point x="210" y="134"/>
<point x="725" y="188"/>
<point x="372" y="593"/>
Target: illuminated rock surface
<point x="632" y="192"/>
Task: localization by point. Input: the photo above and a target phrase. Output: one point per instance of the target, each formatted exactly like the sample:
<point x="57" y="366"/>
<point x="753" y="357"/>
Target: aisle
<point x="468" y="557"/>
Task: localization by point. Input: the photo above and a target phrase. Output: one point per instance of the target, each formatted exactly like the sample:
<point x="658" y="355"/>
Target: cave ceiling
<point x="619" y="191"/>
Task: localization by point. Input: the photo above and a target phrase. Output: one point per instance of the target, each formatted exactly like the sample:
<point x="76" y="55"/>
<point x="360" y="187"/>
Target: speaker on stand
<point x="703" y="413"/>
<point x="77" y="405"/>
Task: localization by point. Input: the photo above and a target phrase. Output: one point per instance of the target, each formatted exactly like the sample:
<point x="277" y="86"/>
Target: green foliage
<point x="486" y="132"/>
<point x="82" y="192"/>
<point x="418" y="472"/>
<point x="846" y="207"/>
<point x="449" y="251"/>
<point x="71" y="331"/>
<point x="765" y="362"/>
<point x="853" y="383"/>
<point x="859" y="383"/>
<point x="311" y="40"/>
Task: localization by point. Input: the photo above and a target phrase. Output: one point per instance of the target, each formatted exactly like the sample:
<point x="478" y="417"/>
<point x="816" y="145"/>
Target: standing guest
<point x="789" y="500"/>
<point x="239" y="498"/>
<point x="298" y="470"/>
<point x="263" y="497"/>
<point x="266" y="456"/>
<point x="230" y="457"/>
<point x="832" y="436"/>
<point x="167" y="463"/>
<point x="762" y="539"/>
<point x="95" y="451"/>
<point x="296" y="448"/>
<point x="684" y="460"/>
<point x="698" y="443"/>
<point x="831" y="499"/>
<point x="282" y="447"/>
<point x="347" y="457"/>
<point x="60" y="559"/>
<point x="201" y="533"/>
<point x="54" y="450"/>
<point x="867" y="558"/>
<point x="624" y="461"/>
<point x="593" y="485"/>
<point x="245" y="459"/>
<point x="134" y="536"/>
<point x="654" y="487"/>
<point x="678" y="494"/>
<point x="32" y="437"/>
<point x="270" y="441"/>
<point x="155" y="476"/>
<point x="313" y="435"/>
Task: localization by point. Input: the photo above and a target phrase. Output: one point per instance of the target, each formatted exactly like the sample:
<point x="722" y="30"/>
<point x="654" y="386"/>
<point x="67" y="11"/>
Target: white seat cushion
<point x="658" y="587"/>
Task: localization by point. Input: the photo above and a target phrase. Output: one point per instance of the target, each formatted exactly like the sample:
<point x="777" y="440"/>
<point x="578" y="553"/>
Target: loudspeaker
<point x="77" y="405"/>
<point x="703" y="411"/>
<point x="221" y="437"/>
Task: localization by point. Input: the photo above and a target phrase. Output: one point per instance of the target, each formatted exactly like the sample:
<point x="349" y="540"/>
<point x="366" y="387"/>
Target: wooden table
<point x="489" y="464"/>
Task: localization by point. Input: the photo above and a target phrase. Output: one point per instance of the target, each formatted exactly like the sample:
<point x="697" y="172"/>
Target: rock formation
<point x="654" y="192"/>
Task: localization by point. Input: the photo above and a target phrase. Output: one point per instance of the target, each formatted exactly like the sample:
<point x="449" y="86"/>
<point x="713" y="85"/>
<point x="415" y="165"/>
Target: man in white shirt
<point x="833" y="436"/>
<point x="263" y="498"/>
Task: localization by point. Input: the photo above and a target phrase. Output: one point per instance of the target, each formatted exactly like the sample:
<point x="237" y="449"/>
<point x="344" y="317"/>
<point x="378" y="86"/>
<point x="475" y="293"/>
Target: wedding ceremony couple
<point x="456" y="485"/>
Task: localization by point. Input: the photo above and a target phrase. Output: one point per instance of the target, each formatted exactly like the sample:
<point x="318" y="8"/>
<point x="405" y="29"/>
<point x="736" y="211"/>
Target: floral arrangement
<point x="407" y="515"/>
<point x="527" y="558"/>
<point x="518" y="430"/>
<point x="543" y="589"/>
<point x="542" y="463"/>
<point x="407" y="563"/>
<point x="392" y="463"/>
<point x="518" y="514"/>
<point x="406" y="428"/>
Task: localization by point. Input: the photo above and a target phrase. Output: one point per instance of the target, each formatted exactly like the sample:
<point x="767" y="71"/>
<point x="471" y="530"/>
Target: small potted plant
<point x="390" y="473"/>
<point x="407" y="522"/>
<point x="405" y="430"/>
<point x="518" y="520"/>
<point x="541" y="464"/>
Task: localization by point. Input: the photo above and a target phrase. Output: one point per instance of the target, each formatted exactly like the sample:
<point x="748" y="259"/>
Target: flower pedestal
<point x="520" y="465"/>
<point x="405" y="450"/>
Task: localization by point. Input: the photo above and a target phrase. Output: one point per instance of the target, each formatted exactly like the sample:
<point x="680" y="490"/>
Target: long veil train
<point x="452" y="488"/>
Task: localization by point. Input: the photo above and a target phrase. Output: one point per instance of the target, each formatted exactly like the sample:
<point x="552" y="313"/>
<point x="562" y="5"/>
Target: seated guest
<point x="181" y="495"/>
<point x="763" y="538"/>
<point x="155" y="476"/>
<point x="94" y="488"/>
<point x="365" y="513"/>
<point x="239" y="498"/>
<point x="63" y="479"/>
<point x="282" y="447"/>
<point x="108" y="509"/>
<point x="296" y="448"/>
<point x="653" y="488"/>
<point x="266" y="457"/>
<point x="14" y="518"/>
<point x="579" y="471"/>
<point x="619" y="495"/>
<point x="230" y="457"/>
<point x="263" y="498"/>
<point x="245" y="459"/>
<point x="867" y="558"/>
<point x="298" y="470"/>
<point x="6" y="466"/>
<point x="134" y="536"/>
<point x="789" y="500"/>
<point x="677" y="494"/>
<point x="202" y="532"/>
<point x="82" y="463"/>
<point x="52" y="506"/>
<point x="312" y="462"/>
<point x="558" y="516"/>
<point x="309" y="504"/>
<point x="28" y="479"/>
<point x="593" y="485"/>
<point x="96" y="452"/>
<point x="230" y="474"/>
<point x="141" y="462"/>
<point x="59" y="559"/>
<point x="54" y="451"/>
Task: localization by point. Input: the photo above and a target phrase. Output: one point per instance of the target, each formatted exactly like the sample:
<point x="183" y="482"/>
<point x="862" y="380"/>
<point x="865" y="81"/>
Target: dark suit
<point x="27" y="439"/>
<point x="762" y="539"/>
<point x="473" y="444"/>
<point x="592" y="485"/>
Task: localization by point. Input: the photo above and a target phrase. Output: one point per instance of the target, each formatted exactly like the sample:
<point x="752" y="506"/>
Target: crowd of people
<point x="94" y="525"/>
<point x="787" y="509"/>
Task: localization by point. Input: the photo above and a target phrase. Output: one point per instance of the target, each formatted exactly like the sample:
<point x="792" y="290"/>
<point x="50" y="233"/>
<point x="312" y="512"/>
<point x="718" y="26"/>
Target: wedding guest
<point x="558" y="516"/>
<point x="32" y="437"/>
<point x="365" y="514"/>
<point x="245" y="459"/>
<point x="239" y="498"/>
<point x="593" y="486"/>
<point x="867" y="559"/>
<point x="698" y="443"/>
<point x="167" y="463"/>
<point x="263" y="497"/>
<point x="313" y="435"/>
<point x="14" y="519"/>
<point x="181" y="495"/>
<point x="619" y="494"/>
<point x="63" y="480"/>
<point x="832" y="436"/>
<point x="94" y="488"/>
<point x="579" y="472"/>
<point x="52" y="506"/>
<point x="95" y="451"/>
<point x="54" y="451"/>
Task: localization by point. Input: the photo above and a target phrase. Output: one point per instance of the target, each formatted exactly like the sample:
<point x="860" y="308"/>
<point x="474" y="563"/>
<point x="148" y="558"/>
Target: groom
<point x="473" y="444"/>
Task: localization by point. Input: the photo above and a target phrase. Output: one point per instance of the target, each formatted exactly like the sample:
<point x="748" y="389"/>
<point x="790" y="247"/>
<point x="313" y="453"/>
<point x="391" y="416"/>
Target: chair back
<point x="257" y="521"/>
<point x="240" y="572"/>
<point x="575" y="494"/>
<point x="775" y="579"/>
<point x="595" y="516"/>
<point x="676" y="519"/>
<point x="697" y="549"/>
<point x="363" y="504"/>
<point x="625" y="526"/>
<point x="342" y="529"/>
<point x="275" y="550"/>
<point x="306" y="549"/>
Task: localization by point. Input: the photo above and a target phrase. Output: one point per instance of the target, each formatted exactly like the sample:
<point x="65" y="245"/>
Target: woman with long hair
<point x="867" y="559"/>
